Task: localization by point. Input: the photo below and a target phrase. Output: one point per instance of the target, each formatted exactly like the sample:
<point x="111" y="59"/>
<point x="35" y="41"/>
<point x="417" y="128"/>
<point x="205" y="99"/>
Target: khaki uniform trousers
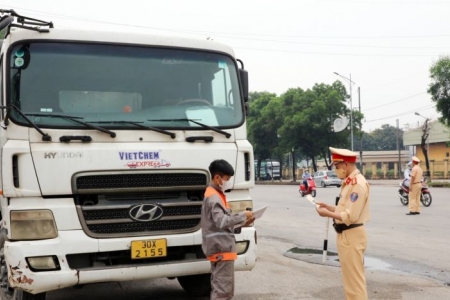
<point x="414" y="197"/>
<point x="351" y="245"/>
<point x="222" y="280"/>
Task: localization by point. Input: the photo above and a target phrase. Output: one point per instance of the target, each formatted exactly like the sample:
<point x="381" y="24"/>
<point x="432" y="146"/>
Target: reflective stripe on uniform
<point x="211" y="191"/>
<point x="222" y="256"/>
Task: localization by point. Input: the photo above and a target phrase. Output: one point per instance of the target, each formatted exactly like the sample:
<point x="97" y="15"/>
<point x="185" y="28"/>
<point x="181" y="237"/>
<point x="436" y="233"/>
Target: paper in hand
<point x="259" y="212"/>
<point x="312" y="200"/>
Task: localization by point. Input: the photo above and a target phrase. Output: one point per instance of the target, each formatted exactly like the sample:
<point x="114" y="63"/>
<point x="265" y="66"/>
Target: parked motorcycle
<point x="311" y="188"/>
<point x="425" y="195"/>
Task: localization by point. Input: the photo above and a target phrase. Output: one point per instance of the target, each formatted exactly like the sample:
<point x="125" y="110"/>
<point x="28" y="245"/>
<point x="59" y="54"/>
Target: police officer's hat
<point x="415" y="159"/>
<point x="342" y="155"/>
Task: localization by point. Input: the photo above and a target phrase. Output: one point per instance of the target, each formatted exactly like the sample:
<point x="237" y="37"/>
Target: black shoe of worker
<point x="411" y="213"/>
<point x="417" y="213"/>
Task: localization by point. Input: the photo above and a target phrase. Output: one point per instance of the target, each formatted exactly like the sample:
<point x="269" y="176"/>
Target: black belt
<point x="341" y="227"/>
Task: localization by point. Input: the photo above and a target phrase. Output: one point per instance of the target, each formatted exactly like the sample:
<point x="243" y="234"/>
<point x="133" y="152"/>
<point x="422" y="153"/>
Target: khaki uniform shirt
<point x="417" y="173"/>
<point x="353" y="205"/>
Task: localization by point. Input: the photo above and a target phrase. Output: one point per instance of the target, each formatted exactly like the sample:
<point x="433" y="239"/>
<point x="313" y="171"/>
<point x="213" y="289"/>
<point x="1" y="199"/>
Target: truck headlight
<point x="33" y="225"/>
<point x="241" y="247"/>
<point x="238" y="206"/>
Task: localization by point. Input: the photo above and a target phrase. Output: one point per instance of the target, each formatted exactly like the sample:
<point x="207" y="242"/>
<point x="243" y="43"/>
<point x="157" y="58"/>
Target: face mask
<point x="340" y="173"/>
<point x="226" y="185"/>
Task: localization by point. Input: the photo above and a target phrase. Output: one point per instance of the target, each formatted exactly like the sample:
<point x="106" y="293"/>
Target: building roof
<point x="438" y="133"/>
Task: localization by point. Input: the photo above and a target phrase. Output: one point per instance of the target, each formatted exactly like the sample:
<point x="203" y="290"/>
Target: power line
<point x="402" y="114"/>
<point x="201" y="32"/>
<point x="392" y="102"/>
<point x="384" y="2"/>
<point x="392" y="82"/>
<point x="340" y="54"/>
<point x="255" y="49"/>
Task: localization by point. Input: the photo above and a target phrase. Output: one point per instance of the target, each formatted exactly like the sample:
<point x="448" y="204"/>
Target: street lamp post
<point x="424" y="139"/>
<point x="350" y="82"/>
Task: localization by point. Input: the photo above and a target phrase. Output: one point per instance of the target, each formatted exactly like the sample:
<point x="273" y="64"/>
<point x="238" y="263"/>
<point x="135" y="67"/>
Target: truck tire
<point x="196" y="285"/>
<point x="6" y="292"/>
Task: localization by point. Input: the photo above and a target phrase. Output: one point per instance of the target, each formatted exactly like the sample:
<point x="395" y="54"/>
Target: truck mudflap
<point x="20" y="276"/>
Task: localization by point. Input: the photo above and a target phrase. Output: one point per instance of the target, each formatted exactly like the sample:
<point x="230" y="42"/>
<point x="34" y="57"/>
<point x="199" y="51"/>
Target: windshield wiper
<point x="172" y="135"/>
<point x="76" y="120"/>
<point x="45" y="136"/>
<point x="196" y="122"/>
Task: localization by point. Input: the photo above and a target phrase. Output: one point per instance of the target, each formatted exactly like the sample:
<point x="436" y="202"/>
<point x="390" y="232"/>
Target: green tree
<point x="260" y="136"/>
<point x="308" y="116"/>
<point x="368" y="143"/>
<point x="385" y="138"/>
<point x="439" y="88"/>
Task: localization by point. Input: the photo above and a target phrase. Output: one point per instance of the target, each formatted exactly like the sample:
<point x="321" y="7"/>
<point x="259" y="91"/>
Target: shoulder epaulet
<point x="351" y="180"/>
<point x="348" y="180"/>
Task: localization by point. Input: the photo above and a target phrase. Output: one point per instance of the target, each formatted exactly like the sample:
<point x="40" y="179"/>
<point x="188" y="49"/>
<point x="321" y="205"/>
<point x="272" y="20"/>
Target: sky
<point x="386" y="47"/>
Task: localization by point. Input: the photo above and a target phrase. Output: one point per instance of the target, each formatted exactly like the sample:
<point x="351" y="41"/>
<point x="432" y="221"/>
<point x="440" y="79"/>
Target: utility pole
<point x="398" y="148"/>
<point x="351" y="112"/>
<point x="361" y="132"/>
<point x="351" y="106"/>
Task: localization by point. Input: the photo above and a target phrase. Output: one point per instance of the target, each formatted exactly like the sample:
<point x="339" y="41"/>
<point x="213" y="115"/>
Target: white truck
<point x="106" y="139"/>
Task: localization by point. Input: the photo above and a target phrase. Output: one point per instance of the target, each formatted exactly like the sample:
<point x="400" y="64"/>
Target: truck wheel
<point x="6" y="292"/>
<point x="196" y="285"/>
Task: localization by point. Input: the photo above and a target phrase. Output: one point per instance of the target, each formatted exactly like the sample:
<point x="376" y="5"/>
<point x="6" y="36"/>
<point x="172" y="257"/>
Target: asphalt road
<point x="407" y="256"/>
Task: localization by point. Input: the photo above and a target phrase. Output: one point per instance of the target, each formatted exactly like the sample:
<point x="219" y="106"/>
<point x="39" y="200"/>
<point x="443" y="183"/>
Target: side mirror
<point x="243" y="76"/>
<point x="5" y="21"/>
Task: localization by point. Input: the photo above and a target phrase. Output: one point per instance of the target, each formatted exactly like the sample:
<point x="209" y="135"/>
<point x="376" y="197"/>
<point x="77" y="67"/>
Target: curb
<point x="395" y="183"/>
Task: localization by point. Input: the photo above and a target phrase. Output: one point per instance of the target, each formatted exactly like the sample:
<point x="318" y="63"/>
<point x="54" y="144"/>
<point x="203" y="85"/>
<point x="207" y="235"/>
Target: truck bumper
<point x="20" y="275"/>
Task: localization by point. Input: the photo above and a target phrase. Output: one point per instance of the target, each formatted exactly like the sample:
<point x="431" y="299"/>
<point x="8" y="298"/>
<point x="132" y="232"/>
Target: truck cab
<point x="105" y="143"/>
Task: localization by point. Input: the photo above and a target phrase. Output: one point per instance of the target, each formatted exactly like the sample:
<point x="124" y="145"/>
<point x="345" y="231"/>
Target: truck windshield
<point x="106" y="83"/>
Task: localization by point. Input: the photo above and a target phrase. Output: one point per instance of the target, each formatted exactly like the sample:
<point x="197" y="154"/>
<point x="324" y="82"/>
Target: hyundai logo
<point x="145" y="212"/>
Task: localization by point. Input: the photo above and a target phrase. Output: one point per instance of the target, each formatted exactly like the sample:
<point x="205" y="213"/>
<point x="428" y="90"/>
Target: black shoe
<point x="417" y="213"/>
<point x="411" y="213"/>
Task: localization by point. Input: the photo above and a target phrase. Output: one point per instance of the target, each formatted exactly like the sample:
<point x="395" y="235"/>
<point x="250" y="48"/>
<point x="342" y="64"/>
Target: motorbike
<point x="311" y="188"/>
<point x="425" y="195"/>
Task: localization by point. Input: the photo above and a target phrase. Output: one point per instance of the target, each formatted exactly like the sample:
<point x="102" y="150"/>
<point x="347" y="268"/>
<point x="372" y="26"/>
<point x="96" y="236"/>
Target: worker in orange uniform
<point x="218" y="223"/>
<point x="349" y="216"/>
<point x="415" y="187"/>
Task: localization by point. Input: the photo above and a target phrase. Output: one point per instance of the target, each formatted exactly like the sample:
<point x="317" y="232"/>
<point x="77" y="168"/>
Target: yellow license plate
<point x="148" y="249"/>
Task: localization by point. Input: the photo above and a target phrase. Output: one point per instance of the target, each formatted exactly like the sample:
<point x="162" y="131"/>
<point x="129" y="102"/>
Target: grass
<point x="439" y="184"/>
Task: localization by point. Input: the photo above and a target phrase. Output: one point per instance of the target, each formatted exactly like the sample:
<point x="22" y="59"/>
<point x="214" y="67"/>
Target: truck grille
<point x="138" y="181"/>
<point x="104" y="201"/>
<point x="110" y="214"/>
<point x="115" y="221"/>
<point x="138" y="227"/>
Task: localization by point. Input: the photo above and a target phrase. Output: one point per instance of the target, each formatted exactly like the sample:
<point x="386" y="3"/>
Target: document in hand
<point x="259" y="212"/>
<point x="312" y="200"/>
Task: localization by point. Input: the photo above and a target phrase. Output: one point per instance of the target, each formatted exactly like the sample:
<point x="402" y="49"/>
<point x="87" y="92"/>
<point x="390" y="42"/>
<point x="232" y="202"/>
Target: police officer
<point x="415" y="187"/>
<point x="349" y="216"/>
